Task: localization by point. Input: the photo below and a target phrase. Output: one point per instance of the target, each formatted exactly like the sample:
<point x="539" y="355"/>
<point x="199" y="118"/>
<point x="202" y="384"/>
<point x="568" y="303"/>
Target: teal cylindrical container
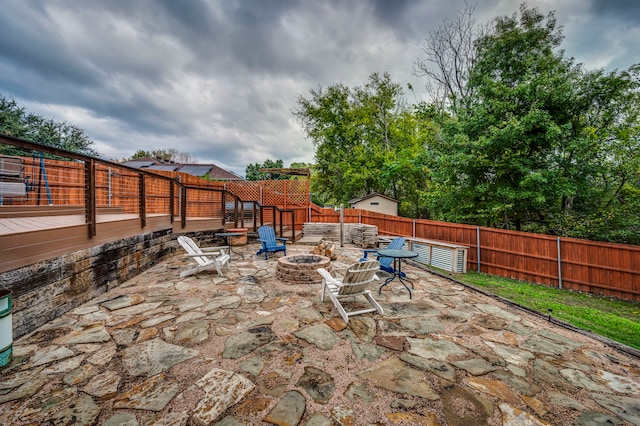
<point x="6" y="328"/>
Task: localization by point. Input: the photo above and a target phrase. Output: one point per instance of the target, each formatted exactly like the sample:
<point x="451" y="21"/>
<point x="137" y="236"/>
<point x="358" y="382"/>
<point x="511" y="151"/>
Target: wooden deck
<point x="28" y="240"/>
<point x="20" y="225"/>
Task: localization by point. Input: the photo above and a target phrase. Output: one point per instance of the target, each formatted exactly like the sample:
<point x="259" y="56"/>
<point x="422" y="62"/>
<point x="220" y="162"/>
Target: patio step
<point x="293" y="237"/>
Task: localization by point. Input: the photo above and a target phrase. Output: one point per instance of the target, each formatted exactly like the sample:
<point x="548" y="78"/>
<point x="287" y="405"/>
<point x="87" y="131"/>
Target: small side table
<point x="227" y="237"/>
<point x="397" y="256"/>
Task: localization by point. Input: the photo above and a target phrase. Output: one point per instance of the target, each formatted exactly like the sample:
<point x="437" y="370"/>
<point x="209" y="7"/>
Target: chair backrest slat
<point x="358" y="277"/>
<point x="395" y="244"/>
<point x="268" y="235"/>
<point x="192" y="248"/>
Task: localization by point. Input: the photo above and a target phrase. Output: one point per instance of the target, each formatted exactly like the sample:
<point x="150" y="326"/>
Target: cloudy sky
<point x="218" y="79"/>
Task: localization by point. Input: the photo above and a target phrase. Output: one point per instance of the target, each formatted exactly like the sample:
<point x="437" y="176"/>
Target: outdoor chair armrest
<point x="210" y="249"/>
<point x="277" y="238"/>
<point x="325" y="274"/>
<point x="203" y="254"/>
<point x="366" y="253"/>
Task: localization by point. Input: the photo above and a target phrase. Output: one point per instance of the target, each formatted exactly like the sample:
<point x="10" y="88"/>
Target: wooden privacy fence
<point x="595" y="267"/>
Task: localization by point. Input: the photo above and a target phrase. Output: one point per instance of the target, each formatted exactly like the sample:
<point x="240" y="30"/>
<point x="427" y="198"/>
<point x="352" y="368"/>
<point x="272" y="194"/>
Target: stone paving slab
<point x="247" y="349"/>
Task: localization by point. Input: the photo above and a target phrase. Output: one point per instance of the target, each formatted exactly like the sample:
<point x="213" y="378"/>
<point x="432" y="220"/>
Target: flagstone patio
<point x="248" y="349"/>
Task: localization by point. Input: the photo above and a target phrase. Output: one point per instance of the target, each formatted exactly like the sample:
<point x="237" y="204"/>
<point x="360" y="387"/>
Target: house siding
<point x="378" y="204"/>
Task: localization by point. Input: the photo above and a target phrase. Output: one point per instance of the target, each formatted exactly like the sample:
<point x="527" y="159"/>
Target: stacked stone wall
<point x="43" y="291"/>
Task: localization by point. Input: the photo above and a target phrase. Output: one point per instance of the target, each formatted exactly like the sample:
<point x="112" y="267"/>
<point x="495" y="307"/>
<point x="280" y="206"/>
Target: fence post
<point x="142" y="199"/>
<point x="284" y="190"/>
<point x="89" y="196"/>
<point x="559" y="265"/>
<point x="172" y="195"/>
<point x="414" y="228"/>
<point x="109" y="186"/>
<point x="478" y="246"/>
<point x="183" y="206"/>
<point x="341" y="224"/>
<point x="181" y="200"/>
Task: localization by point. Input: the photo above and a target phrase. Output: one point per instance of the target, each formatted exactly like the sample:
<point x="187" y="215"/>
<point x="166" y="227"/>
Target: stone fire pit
<point x="301" y="268"/>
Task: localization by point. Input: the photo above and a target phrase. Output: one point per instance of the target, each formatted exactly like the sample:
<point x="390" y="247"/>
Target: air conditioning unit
<point x="449" y="257"/>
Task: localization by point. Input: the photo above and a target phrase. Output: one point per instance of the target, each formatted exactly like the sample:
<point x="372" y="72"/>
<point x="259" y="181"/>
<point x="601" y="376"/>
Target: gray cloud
<point x="624" y="10"/>
<point x="218" y="79"/>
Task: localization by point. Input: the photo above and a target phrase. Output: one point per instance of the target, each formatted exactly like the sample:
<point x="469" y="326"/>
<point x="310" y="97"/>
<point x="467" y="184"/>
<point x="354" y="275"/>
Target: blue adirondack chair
<point x="267" y="236"/>
<point x="386" y="263"/>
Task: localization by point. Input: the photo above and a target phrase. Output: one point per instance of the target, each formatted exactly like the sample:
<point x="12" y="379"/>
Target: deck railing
<point x="91" y="185"/>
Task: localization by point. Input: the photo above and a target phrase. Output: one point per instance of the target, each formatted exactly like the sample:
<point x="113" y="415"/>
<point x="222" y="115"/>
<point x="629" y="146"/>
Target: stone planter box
<point x="240" y="240"/>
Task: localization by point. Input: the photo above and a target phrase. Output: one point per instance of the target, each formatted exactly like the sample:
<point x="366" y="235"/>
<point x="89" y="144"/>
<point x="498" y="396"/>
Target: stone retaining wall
<point x="45" y="290"/>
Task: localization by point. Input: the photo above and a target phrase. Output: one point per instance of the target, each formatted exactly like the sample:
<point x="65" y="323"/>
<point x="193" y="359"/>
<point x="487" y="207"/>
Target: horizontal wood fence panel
<point x="325" y="218"/>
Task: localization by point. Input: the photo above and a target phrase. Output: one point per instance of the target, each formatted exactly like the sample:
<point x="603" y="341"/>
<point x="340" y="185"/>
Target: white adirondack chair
<point x="354" y="283"/>
<point x="205" y="258"/>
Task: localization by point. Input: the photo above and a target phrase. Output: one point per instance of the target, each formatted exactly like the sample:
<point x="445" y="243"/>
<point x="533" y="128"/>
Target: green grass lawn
<point x="615" y="319"/>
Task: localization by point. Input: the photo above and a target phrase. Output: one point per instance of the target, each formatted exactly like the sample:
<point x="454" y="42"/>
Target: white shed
<point x="376" y="203"/>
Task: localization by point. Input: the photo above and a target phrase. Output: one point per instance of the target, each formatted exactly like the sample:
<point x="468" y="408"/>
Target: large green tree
<point x="357" y="132"/>
<point x="542" y="144"/>
<point x="606" y="163"/>
<point x="16" y="121"/>
<point x="408" y="170"/>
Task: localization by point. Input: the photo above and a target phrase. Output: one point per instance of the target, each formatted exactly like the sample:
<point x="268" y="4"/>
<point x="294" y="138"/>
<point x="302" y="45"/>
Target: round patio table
<point x="398" y="256"/>
<point x="227" y="237"/>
